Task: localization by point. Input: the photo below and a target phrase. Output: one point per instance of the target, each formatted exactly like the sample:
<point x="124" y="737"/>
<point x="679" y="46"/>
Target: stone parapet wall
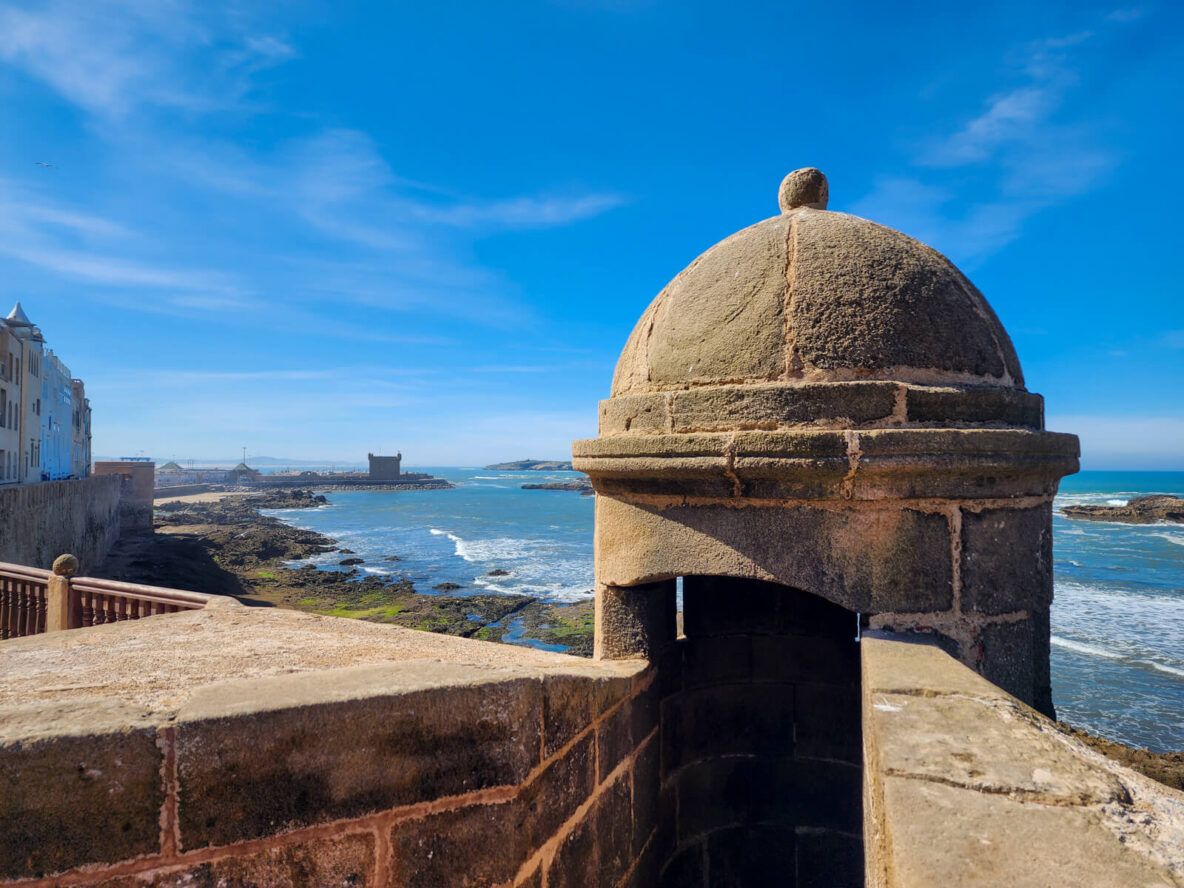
<point x="965" y="785"/>
<point x="39" y="522"/>
<point x="429" y="769"/>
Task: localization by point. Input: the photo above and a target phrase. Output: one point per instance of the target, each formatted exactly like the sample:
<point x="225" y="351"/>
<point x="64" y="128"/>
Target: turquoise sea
<point x="1117" y="620"/>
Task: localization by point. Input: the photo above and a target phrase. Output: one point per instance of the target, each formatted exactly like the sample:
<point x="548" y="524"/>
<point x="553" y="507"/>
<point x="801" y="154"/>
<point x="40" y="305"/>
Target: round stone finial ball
<point x="803" y="188"/>
<point x="65" y="566"/>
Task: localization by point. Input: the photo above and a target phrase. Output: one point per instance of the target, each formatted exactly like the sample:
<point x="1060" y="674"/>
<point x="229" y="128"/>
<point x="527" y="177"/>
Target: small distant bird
<point x="42" y="163"/>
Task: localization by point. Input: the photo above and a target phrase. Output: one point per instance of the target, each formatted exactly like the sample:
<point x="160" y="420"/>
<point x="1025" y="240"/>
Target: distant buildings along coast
<point x="44" y="413"/>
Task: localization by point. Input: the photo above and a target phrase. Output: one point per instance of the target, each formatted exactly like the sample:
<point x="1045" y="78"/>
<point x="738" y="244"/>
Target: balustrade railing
<point x="22" y="600"/>
<point x="34" y="601"/>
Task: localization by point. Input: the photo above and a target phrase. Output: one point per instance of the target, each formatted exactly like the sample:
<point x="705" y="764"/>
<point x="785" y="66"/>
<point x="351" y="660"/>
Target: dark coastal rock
<point x="581" y="485"/>
<point x="346" y="551"/>
<point x="1140" y="510"/>
<point x="347" y="562"/>
<point x="392" y="558"/>
<point x="447" y="587"/>
<point x="498" y="572"/>
<point x="531" y="465"/>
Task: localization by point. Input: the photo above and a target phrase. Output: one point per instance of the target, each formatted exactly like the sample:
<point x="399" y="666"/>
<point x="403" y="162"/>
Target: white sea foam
<point x="1116" y="502"/>
<point x="1170" y="670"/>
<point x="1091" y="650"/>
<point x="496" y="549"/>
<point x="1176" y="538"/>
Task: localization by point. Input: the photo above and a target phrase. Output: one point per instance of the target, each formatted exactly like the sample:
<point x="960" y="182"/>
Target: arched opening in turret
<point x="761" y="752"/>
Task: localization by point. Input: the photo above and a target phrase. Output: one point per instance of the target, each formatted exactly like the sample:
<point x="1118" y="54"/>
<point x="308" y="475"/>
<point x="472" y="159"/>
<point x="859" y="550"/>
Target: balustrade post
<point x="58" y="607"/>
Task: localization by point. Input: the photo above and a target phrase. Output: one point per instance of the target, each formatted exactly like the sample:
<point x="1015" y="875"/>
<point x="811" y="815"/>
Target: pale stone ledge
<point x="965" y="785"/>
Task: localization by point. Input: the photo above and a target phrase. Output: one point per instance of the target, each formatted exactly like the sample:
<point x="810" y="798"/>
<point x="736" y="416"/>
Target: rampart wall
<point x="370" y="755"/>
<point x="39" y="522"/>
<point x="446" y="762"/>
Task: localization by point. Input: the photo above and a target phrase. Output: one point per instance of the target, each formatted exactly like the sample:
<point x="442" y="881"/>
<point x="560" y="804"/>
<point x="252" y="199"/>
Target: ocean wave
<point x="1092" y="650"/>
<point x="495" y="549"/>
<point x="1079" y="647"/>
<point x="1178" y="539"/>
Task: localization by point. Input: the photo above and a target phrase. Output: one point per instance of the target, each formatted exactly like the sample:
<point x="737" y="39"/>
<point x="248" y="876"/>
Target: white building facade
<point x="45" y="430"/>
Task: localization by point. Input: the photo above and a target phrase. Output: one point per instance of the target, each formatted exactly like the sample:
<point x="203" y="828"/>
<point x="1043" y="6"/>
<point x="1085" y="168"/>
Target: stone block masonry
<point x="423" y="769"/>
<point x="39" y="522"/>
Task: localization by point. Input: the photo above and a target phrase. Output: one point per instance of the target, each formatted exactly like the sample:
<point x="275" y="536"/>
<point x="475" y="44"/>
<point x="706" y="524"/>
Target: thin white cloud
<point x="102" y="269"/>
<point x="524" y="212"/>
<point x="1009" y="117"/>
<point x="114" y="56"/>
<point x="1022" y="150"/>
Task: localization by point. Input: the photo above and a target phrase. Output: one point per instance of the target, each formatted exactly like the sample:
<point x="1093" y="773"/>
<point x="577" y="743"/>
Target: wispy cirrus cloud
<point x="112" y="57"/>
<point x="358" y="231"/>
<point x="1023" y="150"/>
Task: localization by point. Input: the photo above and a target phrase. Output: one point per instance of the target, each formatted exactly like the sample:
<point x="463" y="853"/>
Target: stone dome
<point x="813" y="296"/>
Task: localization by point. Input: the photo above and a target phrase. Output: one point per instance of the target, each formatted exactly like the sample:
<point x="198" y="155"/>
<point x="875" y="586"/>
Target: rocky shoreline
<point x="1139" y="510"/>
<point x="227" y="547"/>
<point x="583" y="486"/>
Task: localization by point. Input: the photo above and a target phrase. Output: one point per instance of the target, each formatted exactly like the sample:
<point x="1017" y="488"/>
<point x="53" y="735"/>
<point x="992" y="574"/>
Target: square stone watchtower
<point x="819" y="417"/>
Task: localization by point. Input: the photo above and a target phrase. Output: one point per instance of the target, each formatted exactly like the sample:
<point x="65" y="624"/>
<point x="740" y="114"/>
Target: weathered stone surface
<point x="613" y="812"/>
<point x="773" y="406"/>
<point x="328" y="760"/>
<point x="634" y="621"/>
<point x="340" y="862"/>
<point x="1006" y="559"/>
<point x="867" y="464"/>
<point x="965" y="786"/>
<point x="943" y="835"/>
<point x="577" y="860"/>
<point x="70" y="799"/>
<point x="865" y="560"/>
<point x="567" y="710"/>
<point x="646" y="783"/>
<point x="475" y="846"/>
<point x="1008" y="655"/>
<point x="636" y="414"/>
<point x="958" y="405"/>
<point x="614" y="740"/>
<point x="736" y="288"/>
<point x="866" y="296"/>
<point x="806" y="187"/>
<point x="555" y="794"/>
<point x="153" y="667"/>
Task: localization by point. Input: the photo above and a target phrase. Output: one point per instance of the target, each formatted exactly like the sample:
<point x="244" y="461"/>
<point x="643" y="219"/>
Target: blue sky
<point x="321" y="229"/>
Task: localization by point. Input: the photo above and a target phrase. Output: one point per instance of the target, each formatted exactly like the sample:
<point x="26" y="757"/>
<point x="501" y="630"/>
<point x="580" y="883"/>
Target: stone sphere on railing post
<point x="65" y="566"/>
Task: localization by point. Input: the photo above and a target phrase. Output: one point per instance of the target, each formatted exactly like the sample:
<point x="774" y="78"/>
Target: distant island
<point x="531" y="465"/>
<point x="1140" y="510"/>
